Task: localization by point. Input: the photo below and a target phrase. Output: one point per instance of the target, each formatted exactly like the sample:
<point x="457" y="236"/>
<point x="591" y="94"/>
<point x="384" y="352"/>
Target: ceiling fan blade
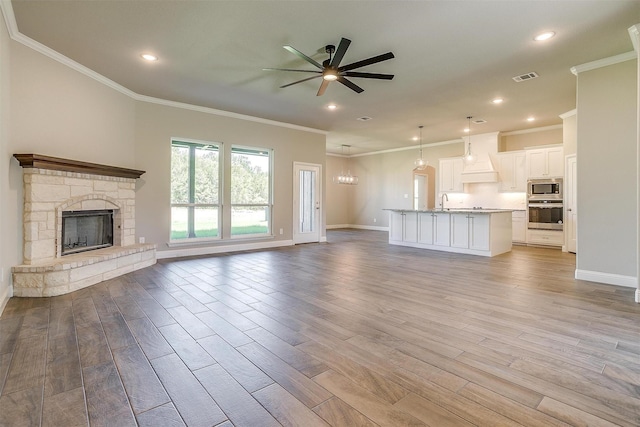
<point x="302" y="55"/>
<point x="323" y="87"/>
<point x="368" y="75"/>
<point x="291" y="69"/>
<point x="365" y="62"/>
<point x="342" y="49"/>
<point x="300" y="81"/>
<point x="354" y="87"/>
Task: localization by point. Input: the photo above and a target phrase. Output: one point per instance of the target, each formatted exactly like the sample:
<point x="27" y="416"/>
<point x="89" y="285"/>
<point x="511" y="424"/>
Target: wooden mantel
<point x="55" y="163"/>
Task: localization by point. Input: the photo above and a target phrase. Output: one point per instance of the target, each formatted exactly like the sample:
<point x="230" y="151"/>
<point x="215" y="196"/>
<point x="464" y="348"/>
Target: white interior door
<point x="571" y="207"/>
<point x="306" y="203"/>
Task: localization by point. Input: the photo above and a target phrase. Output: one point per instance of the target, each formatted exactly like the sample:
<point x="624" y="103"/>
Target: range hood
<point x="484" y="147"/>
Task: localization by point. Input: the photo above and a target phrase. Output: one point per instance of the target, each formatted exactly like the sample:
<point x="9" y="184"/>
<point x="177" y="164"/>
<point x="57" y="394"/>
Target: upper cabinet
<point x="450" y="175"/>
<point x="512" y="171"/>
<point x="545" y="162"/>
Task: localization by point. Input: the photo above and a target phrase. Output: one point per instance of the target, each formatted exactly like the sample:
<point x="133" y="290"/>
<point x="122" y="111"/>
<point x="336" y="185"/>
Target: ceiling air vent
<point x="364" y="119"/>
<point x="525" y="77"/>
<point x="479" y="121"/>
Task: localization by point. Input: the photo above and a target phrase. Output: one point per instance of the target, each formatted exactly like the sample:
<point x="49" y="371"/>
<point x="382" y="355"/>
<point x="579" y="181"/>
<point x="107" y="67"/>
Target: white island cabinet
<point x="485" y="232"/>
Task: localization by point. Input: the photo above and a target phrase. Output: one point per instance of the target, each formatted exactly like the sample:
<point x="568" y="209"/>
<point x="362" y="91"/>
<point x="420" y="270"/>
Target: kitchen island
<point x="484" y="232"/>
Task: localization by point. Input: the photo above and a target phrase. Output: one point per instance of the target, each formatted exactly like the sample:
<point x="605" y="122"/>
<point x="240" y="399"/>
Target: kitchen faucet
<point x="444" y="196"/>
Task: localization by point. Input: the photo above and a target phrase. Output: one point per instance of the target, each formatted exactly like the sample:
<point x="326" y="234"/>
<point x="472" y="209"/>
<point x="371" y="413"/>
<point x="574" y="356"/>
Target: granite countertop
<point x="454" y="210"/>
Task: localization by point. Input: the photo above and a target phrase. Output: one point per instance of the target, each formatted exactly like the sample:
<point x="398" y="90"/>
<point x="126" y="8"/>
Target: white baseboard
<point x="5" y="294"/>
<point x="607" y="278"/>
<point x="360" y="227"/>
<point x="209" y="250"/>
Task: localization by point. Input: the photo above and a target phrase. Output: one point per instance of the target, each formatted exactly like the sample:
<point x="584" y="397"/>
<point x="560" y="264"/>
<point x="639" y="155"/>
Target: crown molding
<point x="16" y="35"/>
<point x="604" y="62"/>
<point x="634" y="33"/>
<point x="568" y="114"/>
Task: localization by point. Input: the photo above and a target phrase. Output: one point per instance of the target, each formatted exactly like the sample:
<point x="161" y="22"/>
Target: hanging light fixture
<point x="420" y="164"/>
<point x="346" y="178"/>
<point x="469" y="157"/>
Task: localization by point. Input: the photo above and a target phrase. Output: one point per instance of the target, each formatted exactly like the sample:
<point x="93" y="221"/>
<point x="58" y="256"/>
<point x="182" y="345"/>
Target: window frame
<point x="193" y="144"/>
<point x="268" y="205"/>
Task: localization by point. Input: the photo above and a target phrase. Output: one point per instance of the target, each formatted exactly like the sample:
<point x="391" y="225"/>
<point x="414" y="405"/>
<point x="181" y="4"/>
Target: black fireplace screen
<point x="86" y="230"/>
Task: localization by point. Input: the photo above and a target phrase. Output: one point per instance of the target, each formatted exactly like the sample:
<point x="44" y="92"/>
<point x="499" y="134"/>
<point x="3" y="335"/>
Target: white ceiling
<point x="451" y="58"/>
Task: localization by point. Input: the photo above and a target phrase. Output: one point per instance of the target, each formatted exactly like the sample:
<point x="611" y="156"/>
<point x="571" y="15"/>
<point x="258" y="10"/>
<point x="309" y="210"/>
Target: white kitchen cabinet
<point x="403" y="226"/>
<point x="512" y="171"/>
<point x="433" y="228"/>
<point x="450" y="175"/>
<point x="545" y="162"/>
<point x="441" y="229"/>
<point x="460" y="230"/>
<point x="545" y="237"/>
<point x="519" y="229"/>
<point x="479" y="231"/>
<point x="470" y="231"/>
<point x="426" y="222"/>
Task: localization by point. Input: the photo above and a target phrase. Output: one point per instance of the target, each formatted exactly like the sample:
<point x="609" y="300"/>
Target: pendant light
<point x="469" y="157"/>
<point x="420" y="164"/>
<point x="346" y="178"/>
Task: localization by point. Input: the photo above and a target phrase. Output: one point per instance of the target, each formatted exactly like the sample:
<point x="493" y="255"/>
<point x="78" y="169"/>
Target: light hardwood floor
<point x="354" y="332"/>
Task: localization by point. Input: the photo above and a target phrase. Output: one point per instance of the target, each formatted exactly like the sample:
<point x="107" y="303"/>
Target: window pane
<point x="179" y="223"/>
<point x="249" y="176"/>
<point x="179" y="174"/>
<point x="249" y="220"/>
<point x="206" y="175"/>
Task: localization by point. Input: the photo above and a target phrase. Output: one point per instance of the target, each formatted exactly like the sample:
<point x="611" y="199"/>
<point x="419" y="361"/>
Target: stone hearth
<point x="53" y="186"/>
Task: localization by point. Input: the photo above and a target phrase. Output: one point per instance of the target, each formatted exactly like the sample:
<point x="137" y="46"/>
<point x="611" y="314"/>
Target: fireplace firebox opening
<point x="86" y="230"/>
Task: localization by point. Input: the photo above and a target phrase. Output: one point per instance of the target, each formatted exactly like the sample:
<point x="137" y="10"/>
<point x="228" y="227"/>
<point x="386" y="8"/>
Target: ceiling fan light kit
<point x="330" y="69"/>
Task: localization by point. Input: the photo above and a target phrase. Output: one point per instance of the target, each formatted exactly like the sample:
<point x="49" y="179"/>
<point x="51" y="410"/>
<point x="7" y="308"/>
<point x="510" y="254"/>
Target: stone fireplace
<point x="96" y="203"/>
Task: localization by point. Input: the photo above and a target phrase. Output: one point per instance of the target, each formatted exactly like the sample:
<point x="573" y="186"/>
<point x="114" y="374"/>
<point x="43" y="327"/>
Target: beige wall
<point x="521" y="140"/>
<point x="607" y="170"/>
<point x="10" y="252"/>
<point x="338" y="195"/>
<point x="570" y="134"/>
<point x="157" y="124"/>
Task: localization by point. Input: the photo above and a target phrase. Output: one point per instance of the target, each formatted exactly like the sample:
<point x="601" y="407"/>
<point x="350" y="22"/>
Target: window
<point x="250" y="191"/>
<point x="195" y="190"/>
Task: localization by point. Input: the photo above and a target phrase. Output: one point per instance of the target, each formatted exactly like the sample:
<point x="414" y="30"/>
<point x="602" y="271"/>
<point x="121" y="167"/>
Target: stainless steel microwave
<point x="545" y="189"/>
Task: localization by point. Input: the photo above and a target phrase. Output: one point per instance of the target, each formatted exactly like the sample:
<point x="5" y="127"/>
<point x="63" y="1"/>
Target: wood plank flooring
<point x="354" y="332"/>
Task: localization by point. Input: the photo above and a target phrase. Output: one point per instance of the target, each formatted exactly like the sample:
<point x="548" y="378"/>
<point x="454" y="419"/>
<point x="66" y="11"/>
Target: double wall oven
<point x="544" y="203"/>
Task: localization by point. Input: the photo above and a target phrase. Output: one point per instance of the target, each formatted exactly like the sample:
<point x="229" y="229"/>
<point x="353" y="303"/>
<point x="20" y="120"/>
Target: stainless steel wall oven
<point x="544" y="204"/>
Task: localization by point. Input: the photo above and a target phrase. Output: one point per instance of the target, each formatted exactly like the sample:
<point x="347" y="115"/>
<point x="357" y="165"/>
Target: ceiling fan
<point x="330" y="70"/>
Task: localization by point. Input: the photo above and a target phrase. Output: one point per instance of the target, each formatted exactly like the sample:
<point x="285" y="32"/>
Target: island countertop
<point x="452" y="210"/>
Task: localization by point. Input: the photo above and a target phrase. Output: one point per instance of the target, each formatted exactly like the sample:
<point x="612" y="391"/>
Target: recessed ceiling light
<point x="544" y="36"/>
<point x="497" y="101"/>
<point x="149" y="57"/>
<point x="466" y="130"/>
<point x="530" y="119"/>
<point x="415" y="138"/>
<point x="332" y="106"/>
